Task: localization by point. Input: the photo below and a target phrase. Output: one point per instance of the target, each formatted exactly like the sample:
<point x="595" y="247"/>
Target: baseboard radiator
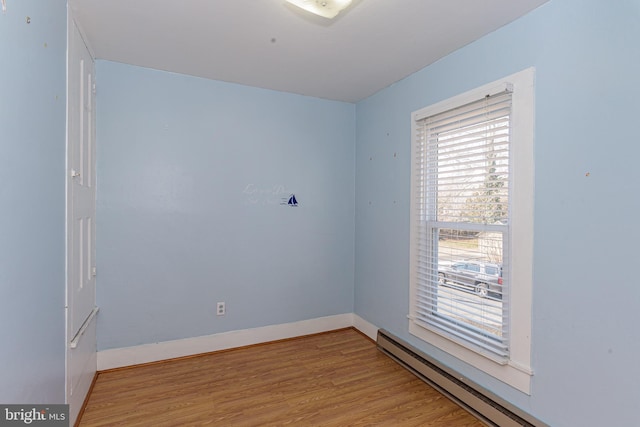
<point x="480" y="402"/>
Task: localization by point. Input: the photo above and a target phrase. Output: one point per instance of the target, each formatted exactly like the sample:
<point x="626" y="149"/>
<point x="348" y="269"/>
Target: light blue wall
<point x="586" y="339"/>
<point x="191" y="174"/>
<point x="32" y="201"/>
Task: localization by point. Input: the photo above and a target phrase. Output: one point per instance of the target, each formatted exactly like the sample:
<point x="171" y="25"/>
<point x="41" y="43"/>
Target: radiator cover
<point x="483" y="404"/>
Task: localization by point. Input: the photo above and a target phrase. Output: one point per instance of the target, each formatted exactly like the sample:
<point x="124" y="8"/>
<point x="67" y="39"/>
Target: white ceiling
<point x="271" y="44"/>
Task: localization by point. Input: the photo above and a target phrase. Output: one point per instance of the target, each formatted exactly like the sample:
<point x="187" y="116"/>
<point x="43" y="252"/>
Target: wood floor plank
<point x="332" y="379"/>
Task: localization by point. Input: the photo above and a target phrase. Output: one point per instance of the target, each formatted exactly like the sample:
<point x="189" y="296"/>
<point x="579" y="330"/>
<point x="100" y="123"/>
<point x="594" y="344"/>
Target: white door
<point x="81" y="207"/>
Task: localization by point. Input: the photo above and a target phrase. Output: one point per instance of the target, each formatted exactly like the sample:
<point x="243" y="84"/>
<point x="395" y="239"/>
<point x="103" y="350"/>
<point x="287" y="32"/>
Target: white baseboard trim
<point x="146" y="353"/>
<point x="369" y="329"/>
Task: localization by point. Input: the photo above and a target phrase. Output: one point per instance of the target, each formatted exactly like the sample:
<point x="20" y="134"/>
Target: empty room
<point x="324" y="213"/>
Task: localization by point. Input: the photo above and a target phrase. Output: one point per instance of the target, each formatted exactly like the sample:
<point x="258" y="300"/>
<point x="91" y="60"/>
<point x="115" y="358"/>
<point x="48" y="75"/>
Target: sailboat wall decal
<point x="292" y="200"/>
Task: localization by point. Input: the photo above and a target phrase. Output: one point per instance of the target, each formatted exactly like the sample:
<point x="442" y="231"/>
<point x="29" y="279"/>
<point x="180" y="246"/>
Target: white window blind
<point x="463" y="224"/>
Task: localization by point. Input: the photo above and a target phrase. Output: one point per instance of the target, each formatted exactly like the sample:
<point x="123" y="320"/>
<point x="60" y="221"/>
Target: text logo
<point x="34" y="415"/>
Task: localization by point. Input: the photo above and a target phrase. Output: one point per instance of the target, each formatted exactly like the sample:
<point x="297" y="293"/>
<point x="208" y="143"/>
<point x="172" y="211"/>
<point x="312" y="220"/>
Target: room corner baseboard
<point x="148" y="353"/>
<point x="368" y="329"/>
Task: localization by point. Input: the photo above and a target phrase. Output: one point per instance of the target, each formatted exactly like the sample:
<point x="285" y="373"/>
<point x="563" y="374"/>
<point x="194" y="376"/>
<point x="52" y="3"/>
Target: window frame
<point x="517" y="370"/>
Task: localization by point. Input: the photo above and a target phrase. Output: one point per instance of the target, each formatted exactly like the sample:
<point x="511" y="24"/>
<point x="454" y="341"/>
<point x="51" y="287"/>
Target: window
<point x="472" y="227"/>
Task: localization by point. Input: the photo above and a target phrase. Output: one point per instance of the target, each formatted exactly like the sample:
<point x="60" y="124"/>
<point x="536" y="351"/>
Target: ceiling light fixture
<point x="326" y="8"/>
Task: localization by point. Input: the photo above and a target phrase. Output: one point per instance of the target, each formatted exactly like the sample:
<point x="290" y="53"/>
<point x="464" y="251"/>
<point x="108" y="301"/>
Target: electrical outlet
<point x="220" y="309"/>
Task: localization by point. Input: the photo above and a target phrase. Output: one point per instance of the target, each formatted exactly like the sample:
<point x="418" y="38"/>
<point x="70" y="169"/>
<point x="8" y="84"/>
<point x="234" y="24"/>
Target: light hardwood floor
<point x="337" y="378"/>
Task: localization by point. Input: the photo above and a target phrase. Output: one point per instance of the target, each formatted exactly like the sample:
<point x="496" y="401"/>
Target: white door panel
<point x="81" y="206"/>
